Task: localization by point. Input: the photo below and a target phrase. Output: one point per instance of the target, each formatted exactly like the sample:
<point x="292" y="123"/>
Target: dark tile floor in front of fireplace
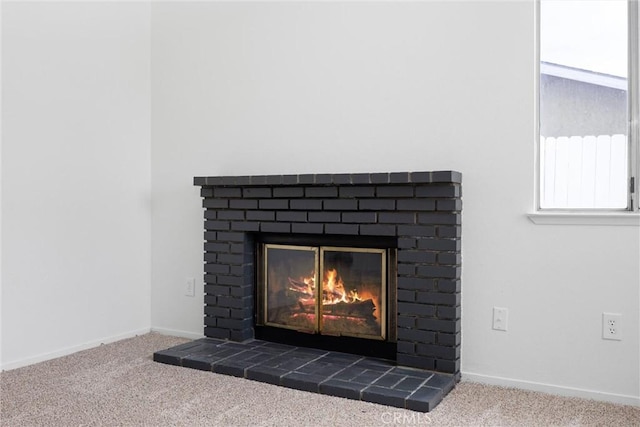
<point x="319" y="371"/>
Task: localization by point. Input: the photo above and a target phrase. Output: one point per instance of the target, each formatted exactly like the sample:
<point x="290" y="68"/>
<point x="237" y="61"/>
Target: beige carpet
<point x="119" y="385"/>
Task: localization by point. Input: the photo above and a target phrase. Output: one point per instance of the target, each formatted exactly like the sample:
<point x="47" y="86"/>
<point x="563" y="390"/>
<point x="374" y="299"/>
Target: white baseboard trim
<point x="177" y="333"/>
<point x="70" y="350"/>
<point x="620" y="399"/>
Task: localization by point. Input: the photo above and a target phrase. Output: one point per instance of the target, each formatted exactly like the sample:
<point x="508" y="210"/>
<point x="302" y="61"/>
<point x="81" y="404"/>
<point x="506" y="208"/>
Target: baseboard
<point x="70" y="350"/>
<point x="620" y="399"/>
<point x="177" y="333"/>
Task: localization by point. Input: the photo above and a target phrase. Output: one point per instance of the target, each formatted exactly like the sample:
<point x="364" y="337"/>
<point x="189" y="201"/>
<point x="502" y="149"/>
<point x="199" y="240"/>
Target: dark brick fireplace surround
<point x="420" y="210"/>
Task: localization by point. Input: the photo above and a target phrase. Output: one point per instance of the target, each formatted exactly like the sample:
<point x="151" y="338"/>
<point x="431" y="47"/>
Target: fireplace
<point x="363" y="263"/>
<point x="340" y="284"/>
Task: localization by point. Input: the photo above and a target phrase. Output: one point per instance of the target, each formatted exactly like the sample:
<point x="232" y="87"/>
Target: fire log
<point x="363" y="309"/>
<point x="299" y="287"/>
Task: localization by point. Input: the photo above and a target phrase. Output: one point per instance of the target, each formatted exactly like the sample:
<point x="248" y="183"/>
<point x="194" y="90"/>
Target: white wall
<point x="260" y="88"/>
<point x="75" y="176"/>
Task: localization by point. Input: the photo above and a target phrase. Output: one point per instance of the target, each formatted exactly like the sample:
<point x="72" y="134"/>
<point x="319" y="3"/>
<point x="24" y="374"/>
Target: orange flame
<point x="333" y="289"/>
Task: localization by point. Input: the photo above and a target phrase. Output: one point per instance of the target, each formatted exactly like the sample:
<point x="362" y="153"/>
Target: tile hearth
<point x="319" y="371"/>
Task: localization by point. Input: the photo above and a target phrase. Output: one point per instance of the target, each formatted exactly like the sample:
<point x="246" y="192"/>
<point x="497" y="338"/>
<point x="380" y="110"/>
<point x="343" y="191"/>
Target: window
<point x="588" y="104"/>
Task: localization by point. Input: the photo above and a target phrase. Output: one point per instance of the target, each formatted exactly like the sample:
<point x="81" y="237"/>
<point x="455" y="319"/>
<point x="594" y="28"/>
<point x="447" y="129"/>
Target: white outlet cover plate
<point x="190" y="287"/>
<point x="500" y="317"/>
<point x="612" y="326"/>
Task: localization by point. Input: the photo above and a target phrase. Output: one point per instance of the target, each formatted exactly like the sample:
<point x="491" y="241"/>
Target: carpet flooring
<point x="119" y="385"/>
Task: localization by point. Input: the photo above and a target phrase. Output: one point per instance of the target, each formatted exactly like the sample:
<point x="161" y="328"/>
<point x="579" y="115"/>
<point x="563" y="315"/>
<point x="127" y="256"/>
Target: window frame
<point x="597" y="216"/>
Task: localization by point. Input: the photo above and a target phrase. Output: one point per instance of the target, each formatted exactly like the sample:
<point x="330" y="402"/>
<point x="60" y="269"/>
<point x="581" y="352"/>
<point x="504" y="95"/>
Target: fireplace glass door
<point x="325" y="290"/>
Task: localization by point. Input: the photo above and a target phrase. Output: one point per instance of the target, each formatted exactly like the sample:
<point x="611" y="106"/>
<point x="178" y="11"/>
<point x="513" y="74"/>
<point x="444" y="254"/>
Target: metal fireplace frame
<point x="388" y="294"/>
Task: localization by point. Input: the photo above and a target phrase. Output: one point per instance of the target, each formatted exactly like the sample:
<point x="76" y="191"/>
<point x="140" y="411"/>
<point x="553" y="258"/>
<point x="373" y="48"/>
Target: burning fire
<point x="337" y="302"/>
<point x="333" y="290"/>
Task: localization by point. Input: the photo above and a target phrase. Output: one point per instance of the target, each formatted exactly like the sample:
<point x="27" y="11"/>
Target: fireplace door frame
<point x="384" y="278"/>
<point x="263" y="285"/>
<point x="388" y="292"/>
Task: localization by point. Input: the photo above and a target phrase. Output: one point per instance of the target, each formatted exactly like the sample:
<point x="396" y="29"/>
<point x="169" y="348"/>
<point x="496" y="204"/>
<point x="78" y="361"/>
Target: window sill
<point x="586" y="218"/>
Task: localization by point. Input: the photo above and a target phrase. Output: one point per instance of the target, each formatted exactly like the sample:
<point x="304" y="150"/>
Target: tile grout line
<point x="384" y="373"/>
<point x="316" y="359"/>
<point x="336" y="373"/>
<point x="245" y="370"/>
<point x="422" y="384"/>
<point x="287" y="352"/>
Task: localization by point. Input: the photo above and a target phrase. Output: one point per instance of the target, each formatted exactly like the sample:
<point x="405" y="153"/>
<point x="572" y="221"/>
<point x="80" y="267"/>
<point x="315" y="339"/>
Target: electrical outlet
<point x="190" y="287"/>
<point x="500" y="316"/>
<point x="611" y="326"/>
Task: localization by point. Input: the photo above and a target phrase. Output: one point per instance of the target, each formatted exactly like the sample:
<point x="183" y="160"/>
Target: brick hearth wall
<point x="421" y="209"/>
